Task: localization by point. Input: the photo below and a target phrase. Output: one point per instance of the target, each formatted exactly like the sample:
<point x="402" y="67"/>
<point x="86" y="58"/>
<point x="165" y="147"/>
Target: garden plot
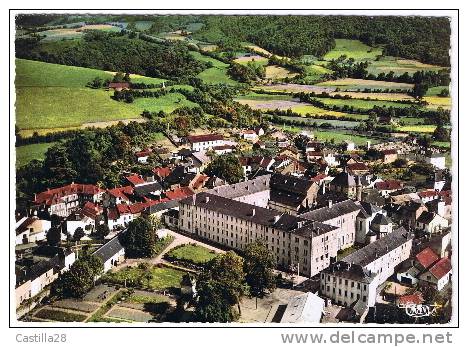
<point x="58" y="315"/>
<point x="76" y="304"/>
<point x="247" y="59"/>
<point x="128" y="314"/>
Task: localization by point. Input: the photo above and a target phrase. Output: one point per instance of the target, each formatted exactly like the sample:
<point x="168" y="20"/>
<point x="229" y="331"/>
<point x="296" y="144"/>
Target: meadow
<point x="166" y="103"/>
<point x="362" y="103"/>
<point x="52" y="96"/>
<point x="217" y="74"/>
<point x="353" y="49"/>
<point x="26" y="153"/>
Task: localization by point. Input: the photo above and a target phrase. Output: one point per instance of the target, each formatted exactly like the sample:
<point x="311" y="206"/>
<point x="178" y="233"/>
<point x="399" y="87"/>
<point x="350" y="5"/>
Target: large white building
<point x="306" y="244"/>
<point x="205" y="142"/>
<point x="353" y="281"/>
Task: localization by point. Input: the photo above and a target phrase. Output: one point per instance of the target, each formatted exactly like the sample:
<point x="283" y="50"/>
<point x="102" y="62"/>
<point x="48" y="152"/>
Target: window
<point x="364" y="298"/>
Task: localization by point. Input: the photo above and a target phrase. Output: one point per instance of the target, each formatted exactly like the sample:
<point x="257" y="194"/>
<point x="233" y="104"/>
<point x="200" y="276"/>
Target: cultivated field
<point x="362" y="104"/>
<point x="354" y="84"/>
<point x="277" y="72"/>
<point x="376" y="96"/>
<point x="253" y="58"/>
<point x="216" y="74"/>
<point x="295" y="88"/>
<point x="71" y="33"/>
<point x="166" y="103"/>
<point x="399" y="66"/>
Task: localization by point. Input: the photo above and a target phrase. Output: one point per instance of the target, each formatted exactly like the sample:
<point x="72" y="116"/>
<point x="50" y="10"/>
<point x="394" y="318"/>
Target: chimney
<point x="193" y="199"/>
<point x="253" y="212"/>
<point x="277" y="218"/>
<point x="330" y="203"/>
<point x="207" y="199"/>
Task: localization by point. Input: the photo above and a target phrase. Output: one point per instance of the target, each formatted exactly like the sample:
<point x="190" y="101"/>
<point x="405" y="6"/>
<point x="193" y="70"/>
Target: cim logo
<point x="419" y="310"/>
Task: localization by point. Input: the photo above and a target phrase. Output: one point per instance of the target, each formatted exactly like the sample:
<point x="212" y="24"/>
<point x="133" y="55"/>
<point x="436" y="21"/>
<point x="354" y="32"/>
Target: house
<point x="425" y="259"/>
<point x="259" y="145"/>
<point x="291" y="152"/>
<point x="408" y="273"/>
<point x="205" y="142"/>
<point x="118" y="195"/>
<point x="357" y="168"/>
<point x="249" y="135"/>
<point x="256" y="163"/>
<point x="260" y="131"/>
<point x="438" y="275"/>
<point x="142" y="156"/>
<point x="162" y="172"/>
<point x="112" y="253"/>
<point x="407" y="213"/>
<point x="431" y="222"/>
<point x="224" y="149"/>
<point x="428" y="195"/>
<point x="31" y="229"/>
<point x="64" y="200"/>
<point x="304" y="308"/>
<point x="151" y="190"/>
<point x="388" y="156"/>
<point x="199" y="161"/>
<point x="119" y="86"/>
<point x="179" y="193"/>
<point x="135" y="180"/>
<point x="436" y="159"/>
<point x="349" y="145"/>
<point x="32" y="280"/>
<point x="353" y="281"/>
<point x="364" y="219"/>
<point x="388" y="186"/>
<point x="79" y="220"/>
<point x="347" y="184"/>
<point x="175" y="177"/>
<point x="291" y="194"/>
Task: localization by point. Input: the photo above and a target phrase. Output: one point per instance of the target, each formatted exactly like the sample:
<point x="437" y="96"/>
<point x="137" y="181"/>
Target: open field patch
<point x="26" y="153"/>
<point x="251" y="58"/>
<point x="353" y="49"/>
<point x="400" y="66"/>
<point x="376" y="96"/>
<point x="435" y="91"/>
<point x="278" y="72"/>
<point x="71" y="33"/>
<point x="355" y="84"/>
<point x="362" y="104"/>
<point x="435" y="102"/>
<point x="423" y="128"/>
<point x="318" y="121"/>
<point x="167" y="103"/>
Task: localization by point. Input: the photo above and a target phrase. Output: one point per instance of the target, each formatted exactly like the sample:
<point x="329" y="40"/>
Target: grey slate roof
<point x="325" y="213"/>
<point x="380" y="219"/>
<point x="163" y="206"/>
<point x="290" y="184"/>
<point x="369" y="253"/>
<point x="350" y="271"/>
<point x="111" y="248"/>
<point x="145" y="189"/>
<point x="233" y="191"/>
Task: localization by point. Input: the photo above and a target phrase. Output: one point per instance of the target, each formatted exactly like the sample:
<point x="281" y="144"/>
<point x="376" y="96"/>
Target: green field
<point x="314" y="73"/>
<point x="166" y="103"/>
<point x="434" y="91"/>
<point x="353" y="49"/>
<point x="318" y="121"/>
<point x="52" y="96"/>
<point x="259" y="96"/>
<point x="340" y="137"/>
<point x="24" y="154"/>
<point x="423" y="128"/>
<point x="216" y="74"/>
<point x="143" y="25"/>
<point x="191" y="253"/>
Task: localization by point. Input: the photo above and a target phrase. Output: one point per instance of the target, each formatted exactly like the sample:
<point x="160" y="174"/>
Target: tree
<point x="78" y="234"/>
<point x="259" y="263"/>
<point x="102" y="230"/>
<point x="400" y="162"/>
<point x="77" y="281"/>
<point x="227" y="167"/>
<point x="220" y="286"/>
<point x="54" y="235"/>
<point x="441" y="134"/>
<point x="140" y="239"/>
<point x="444" y="92"/>
<point x="419" y="90"/>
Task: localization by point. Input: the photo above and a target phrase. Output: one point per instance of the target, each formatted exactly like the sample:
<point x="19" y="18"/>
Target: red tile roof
<point x="319" y="177"/>
<point x="200" y="181"/>
<point x="427" y="257"/>
<point x="204" y="138"/>
<point x="179" y="193"/>
<point x="415" y="298"/>
<point x="388" y="185"/>
<point x="162" y="172"/>
<point x="121" y="192"/>
<point x="427" y="193"/>
<point x="117" y="85"/>
<point x="357" y="166"/>
<point x="441" y="268"/>
<point x="53" y="196"/>
<point x="144" y="153"/>
<point x="135" y="180"/>
<point x="389" y="151"/>
<point x="91" y="210"/>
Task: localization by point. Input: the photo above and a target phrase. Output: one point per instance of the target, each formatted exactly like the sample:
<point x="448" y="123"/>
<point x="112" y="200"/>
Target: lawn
<point x="338" y="137"/>
<point x="26" y="153"/>
<point x="353" y="84"/>
<point x="167" y="103"/>
<point x="314" y="72"/>
<point x="435" y="91"/>
<point x="143" y="25"/>
<point x="353" y="49"/>
<point x="191" y="253"/>
<point x="161" y="277"/>
<point x="60" y="316"/>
